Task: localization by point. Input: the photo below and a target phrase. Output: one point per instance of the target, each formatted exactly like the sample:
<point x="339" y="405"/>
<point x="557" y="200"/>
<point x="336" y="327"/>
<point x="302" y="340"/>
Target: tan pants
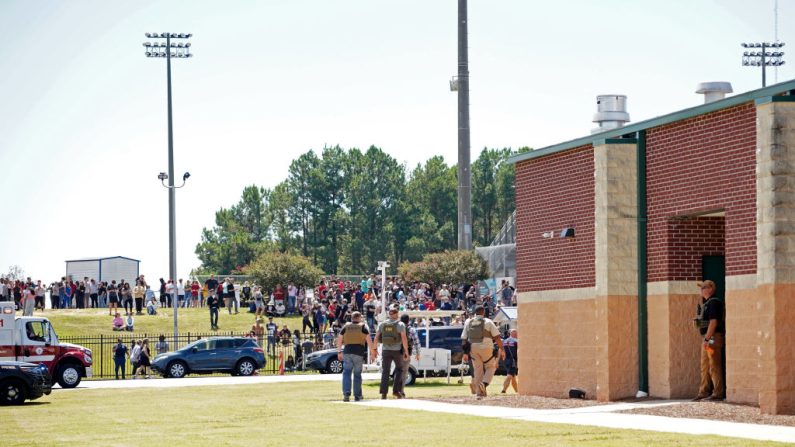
<point x="712" y="370"/>
<point x="484" y="363"/>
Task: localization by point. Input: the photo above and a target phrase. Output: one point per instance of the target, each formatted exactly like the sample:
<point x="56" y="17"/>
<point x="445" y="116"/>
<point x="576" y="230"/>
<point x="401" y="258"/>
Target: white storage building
<point x="104" y="269"/>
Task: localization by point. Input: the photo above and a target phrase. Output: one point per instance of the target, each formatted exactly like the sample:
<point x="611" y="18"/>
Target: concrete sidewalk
<point x="211" y="381"/>
<point x="603" y="416"/>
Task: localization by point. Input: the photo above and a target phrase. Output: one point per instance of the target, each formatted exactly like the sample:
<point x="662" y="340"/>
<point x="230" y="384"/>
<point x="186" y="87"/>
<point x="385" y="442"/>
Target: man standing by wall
<point x="394" y="349"/>
<point x="711" y="327"/>
<point x="479" y="336"/>
<point x="352" y="344"/>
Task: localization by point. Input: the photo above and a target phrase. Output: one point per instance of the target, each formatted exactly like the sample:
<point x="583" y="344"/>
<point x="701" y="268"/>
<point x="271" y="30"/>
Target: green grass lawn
<point x="93" y="322"/>
<point x="294" y="414"/>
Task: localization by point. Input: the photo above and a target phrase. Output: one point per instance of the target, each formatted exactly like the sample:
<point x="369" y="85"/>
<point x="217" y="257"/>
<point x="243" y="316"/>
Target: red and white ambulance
<point x="33" y="340"/>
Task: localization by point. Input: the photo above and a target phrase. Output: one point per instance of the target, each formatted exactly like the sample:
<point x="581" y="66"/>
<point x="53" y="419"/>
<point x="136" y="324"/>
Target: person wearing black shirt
<point x="711" y="326"/>
<point x="212" y="304"/>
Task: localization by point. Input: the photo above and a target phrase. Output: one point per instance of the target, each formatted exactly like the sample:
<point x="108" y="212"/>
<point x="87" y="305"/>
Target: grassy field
<point x="93" y="322"/>
<point x="306" y="414"/>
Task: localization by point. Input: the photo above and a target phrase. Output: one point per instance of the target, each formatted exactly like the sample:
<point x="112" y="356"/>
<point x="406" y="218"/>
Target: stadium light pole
<point x="460" y="84"/>
<point x="167" y="50"/>
<point x="763" y="58"/>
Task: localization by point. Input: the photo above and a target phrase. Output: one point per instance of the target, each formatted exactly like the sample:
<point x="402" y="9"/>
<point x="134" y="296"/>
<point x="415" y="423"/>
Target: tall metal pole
<point x="464" y="175"/>
<point x="172" y="219"/>
<point x="764" y="67"/>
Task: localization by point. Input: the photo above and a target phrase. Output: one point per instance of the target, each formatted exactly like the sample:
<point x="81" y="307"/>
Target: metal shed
<point x="104" y="269"/>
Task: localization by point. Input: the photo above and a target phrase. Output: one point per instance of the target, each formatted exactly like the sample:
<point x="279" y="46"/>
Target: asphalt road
<point x="211" y="381"/>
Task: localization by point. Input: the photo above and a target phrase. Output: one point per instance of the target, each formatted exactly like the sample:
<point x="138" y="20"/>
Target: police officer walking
<point x="479" y="336"/>
<point x="352" y="344"/>
<point x="394" y="349"/>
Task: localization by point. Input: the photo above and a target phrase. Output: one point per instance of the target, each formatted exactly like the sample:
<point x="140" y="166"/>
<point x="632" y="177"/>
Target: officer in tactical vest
<point x="479" y="336"/>
<point x="394" y="349"/>
<point x="710" y="323"/>
<point x="352" y="344"/>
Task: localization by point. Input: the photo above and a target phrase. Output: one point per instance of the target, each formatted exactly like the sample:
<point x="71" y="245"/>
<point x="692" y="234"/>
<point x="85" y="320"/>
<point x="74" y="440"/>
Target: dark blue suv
<point x="236" y="355"/>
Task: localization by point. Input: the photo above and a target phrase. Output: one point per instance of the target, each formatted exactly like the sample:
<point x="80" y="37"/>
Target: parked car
<point x="20" y="381"/>
<point x="324" y="361"/>
<point x="236" y="355"/>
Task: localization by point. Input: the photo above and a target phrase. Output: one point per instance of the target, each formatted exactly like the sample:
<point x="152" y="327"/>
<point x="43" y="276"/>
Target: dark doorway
<point x="714" y="268"/>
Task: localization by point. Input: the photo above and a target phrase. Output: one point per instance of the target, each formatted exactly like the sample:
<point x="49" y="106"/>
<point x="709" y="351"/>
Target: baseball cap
<point x="708" y="283"/>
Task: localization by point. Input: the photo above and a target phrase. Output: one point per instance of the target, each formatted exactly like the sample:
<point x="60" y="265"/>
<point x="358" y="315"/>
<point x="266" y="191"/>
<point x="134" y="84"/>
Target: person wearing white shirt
<point x="180" y="293"/>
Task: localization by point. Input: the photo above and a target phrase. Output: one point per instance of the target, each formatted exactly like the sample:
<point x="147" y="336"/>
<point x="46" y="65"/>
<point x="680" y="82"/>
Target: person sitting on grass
<point x="151" y="302"/>
<point x="118" y="323"/>
<point x="129" y="324"/>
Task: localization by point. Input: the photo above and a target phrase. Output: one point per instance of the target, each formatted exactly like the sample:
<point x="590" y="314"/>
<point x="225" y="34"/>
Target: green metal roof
<point x="753" y="95"/>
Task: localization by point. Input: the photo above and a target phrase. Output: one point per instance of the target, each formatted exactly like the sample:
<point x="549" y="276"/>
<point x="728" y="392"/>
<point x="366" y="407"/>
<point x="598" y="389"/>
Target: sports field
<point x="287" y="414"/>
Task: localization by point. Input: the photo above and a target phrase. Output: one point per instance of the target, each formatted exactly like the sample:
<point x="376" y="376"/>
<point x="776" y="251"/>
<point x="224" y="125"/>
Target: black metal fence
<point x="288" y="350"/>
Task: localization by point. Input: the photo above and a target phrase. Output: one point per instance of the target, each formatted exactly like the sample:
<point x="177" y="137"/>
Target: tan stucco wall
<point x="674" y="342"/>
<point x="557" y="348"/>
<point x="744" y="334"/>
<point x="775" y="307"/>
<point x="616" y="262"/>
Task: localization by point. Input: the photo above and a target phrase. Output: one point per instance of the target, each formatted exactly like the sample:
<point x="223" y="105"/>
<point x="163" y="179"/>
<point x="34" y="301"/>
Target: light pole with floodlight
<point x="168" y="50"/>
<point x="763" y="58"/>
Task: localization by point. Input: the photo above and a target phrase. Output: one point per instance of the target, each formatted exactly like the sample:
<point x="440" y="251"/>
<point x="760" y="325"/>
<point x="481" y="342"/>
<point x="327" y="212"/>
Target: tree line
<point x="347" y="209"/>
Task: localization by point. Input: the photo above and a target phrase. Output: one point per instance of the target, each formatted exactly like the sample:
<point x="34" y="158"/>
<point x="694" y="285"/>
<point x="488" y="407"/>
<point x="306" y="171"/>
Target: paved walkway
<point x="211" y="381"/>
<point x="603" y="416"/>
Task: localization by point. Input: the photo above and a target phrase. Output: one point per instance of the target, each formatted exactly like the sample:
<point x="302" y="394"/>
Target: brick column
<point x="615" y="180"/>
<point x="775" y="195"/>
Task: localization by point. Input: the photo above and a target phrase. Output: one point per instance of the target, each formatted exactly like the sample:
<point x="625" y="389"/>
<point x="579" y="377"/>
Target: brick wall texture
<point x="687" y="241"/>
<point x="552" y="193"/>
<point x="706" y="163"/>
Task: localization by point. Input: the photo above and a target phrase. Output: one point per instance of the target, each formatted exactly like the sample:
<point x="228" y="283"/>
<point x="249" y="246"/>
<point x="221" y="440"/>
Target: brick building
<point x="706" y="192"/>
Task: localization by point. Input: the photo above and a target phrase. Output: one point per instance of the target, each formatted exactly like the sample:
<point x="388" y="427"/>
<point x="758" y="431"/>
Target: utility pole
<point x="464" y="174"/>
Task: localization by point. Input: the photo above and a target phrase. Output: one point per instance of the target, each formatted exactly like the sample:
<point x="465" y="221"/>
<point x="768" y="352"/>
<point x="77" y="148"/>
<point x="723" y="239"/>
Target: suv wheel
<point x="334" y="366"/>
<point x="68" y="376"/>
<point x="177" y="369"/>
<point x="245" y="367"/>
<point x="12" y="392"/>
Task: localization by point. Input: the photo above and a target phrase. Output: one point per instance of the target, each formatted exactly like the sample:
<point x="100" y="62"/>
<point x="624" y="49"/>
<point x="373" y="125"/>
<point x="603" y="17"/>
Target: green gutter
<point x="643" y="329"/>
<point x="753" y="95"/>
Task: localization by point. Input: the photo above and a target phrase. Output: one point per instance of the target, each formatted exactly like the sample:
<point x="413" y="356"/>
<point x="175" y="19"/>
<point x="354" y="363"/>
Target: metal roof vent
<point x="714" y="91"/>
<point x="611" y="112"/>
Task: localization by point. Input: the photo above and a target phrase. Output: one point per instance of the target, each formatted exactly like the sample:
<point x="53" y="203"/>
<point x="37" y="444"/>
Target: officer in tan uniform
<point x="479" y="336"/>
<point x="352" y="344"/>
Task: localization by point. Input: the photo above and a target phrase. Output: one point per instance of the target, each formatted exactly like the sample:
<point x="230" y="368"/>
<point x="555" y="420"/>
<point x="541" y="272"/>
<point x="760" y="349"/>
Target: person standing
<point x="113" y="298"/>
<point x="135" y="355"/>
<point x="194" y="294"/>
<point x="292" y="293"/>
<point x="271" y="329"/>
<point x="163" y="293"/>
<point x="143" y="360"/>
<point x="258" y="330"/>
<point x="180" y="293"/>
<point x="352" y="344"/>
<point x="394" y="349"/>
<point x="414" y="345"/>
<point x="126" y="296"/>
<point x="93" y="293"/>
<point x="369" y="310"/>
<point x="28" y="302"/>
<point x="120" y="356"/>
<point x="212" y="304"/>
<point x="161" y="347"/>
<point x="138" y="295"/>
<point x="511" y="361"/>
<point x="40" y="291"/>
<point x="171" y="293"/>
<point x="479" y="336"/>
<point x="711" y="326"/>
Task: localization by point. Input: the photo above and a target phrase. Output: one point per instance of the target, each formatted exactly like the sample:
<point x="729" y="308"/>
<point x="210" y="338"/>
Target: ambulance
<point x="33" y="340"/>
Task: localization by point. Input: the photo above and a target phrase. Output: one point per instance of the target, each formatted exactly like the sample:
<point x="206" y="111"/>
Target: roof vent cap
<point x="611" y="112"/>
<point x="714" y="91"/>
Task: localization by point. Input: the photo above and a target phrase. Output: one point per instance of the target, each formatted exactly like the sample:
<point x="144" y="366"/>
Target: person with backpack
<point x="711" y="326"/>
<point x="352" y="343"/>
<point x="394" y="349"/>
<point x="478" y="337"/>
<point x="120" y="356"/>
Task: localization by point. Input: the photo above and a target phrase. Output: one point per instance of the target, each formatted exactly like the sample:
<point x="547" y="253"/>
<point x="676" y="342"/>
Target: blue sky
<point x="83" y="112"/>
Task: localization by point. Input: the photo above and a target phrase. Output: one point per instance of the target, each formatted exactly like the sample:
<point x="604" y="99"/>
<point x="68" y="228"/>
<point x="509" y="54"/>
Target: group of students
<point x="140" y="356"/>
